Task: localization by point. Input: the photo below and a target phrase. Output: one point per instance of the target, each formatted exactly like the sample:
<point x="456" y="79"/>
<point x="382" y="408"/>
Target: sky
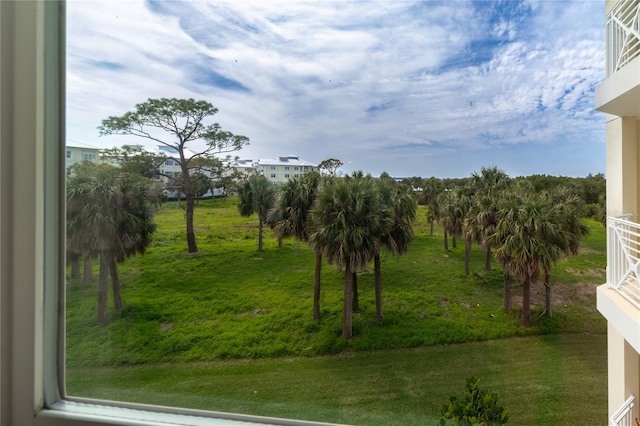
<point x="411" y="88"/>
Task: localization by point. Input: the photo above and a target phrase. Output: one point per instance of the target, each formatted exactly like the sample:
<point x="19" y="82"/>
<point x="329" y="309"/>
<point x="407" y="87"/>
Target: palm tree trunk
<point x="279" y="242"/>
<point x="346" y="309"/>
<point x="356" y="300"/>
<point x="525" y="320"/>
<point x="316" y="287"/>
<point x="467" y="252"/>
<point x="506" y="290"/>
<point x="115" y="284"/>
<point x="487" y="257"/>
<point x="259" y="234"/>
<point x="103" y="287"/>
<point x="87" y="275"/>
<point x="446" y="240"/>
<point x="191" y="236"/>
<point x="547" y="291"/>
<point x="378" y="285"/>
<point x="75" y="266"/>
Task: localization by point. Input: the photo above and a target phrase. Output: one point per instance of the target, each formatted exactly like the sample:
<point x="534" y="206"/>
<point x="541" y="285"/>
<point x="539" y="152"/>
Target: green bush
<point x="478" y="407"/>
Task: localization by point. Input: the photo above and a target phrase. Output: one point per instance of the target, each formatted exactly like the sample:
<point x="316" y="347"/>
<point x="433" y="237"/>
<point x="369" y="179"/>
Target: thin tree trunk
<point x="115" y="284"/>
<point x="87" y="275"/>
<point x="467" y="252"/>
<point x="378" y="285"/>
<point x="75" y="266"/>
<point x="280" y="242"/>
<point x="103" y="287"/>
<point x="487" y="256"/>
<point x="259" y="234"/>
<point x="191" y="236"/>
<point x="453" y="240"/>
<point x="346" y="309"/>
<point x="316" y="287"/>
<point x="446" y="240"/>
<point x="525" y="320"/>
<point x="506" y="290"/>
<point x="356" y="300"/>
<point x="431" y="228"/>
<point x="547" y="291"/>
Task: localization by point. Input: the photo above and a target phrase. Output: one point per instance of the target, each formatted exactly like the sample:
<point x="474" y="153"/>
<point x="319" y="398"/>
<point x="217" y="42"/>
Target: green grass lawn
<point x="231" y="329"/>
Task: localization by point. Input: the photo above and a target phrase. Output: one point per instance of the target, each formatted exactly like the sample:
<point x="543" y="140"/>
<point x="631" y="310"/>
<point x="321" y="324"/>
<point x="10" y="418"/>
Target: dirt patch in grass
<point x="560" y="295"/>
<point x="587" y="250"/>
<point x="590" y="272"/>
<point x="166" y="326"/>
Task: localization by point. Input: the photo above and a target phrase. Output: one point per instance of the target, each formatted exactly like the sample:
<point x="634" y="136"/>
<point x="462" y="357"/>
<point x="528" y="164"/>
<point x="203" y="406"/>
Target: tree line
<point x="350" y="219"/>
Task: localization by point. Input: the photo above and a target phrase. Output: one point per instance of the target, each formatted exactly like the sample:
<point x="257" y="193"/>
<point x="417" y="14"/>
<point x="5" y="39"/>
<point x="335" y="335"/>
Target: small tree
<point x="256" y="196"/>
<point x="330" y="166"/>
<point x="477" y="407"/>
<point x="175" y="123"/>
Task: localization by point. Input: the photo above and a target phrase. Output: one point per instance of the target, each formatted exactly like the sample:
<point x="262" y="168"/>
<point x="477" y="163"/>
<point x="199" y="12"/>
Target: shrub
<point x="477" y="407"/>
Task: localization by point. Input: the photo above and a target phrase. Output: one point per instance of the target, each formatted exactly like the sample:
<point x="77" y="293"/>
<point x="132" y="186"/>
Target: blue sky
<point x="413" y="88"/>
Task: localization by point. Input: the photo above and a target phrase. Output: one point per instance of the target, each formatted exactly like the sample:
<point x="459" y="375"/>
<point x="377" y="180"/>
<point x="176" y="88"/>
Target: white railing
<point x="623" y="34"/>
<point x="624" y="415"/>
<point x="623" y="269"/>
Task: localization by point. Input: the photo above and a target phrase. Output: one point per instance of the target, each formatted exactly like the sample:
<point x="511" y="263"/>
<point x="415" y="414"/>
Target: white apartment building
<point x="282" y="168"/>
<point x="618" y="300"/>
<point x="77" y="152"/>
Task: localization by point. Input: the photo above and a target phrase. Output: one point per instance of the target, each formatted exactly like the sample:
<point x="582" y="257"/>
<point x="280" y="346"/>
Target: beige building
<point x="619" y="299"/>
<point x="282" y="168"/>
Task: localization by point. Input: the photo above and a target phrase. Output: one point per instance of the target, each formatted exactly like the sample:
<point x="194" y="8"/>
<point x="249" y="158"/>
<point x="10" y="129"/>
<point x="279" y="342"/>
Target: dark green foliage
<point x="477" y="407"/>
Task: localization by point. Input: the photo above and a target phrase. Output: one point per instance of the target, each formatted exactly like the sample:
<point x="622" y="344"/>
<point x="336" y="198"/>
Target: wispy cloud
<point x="371" y="83"/>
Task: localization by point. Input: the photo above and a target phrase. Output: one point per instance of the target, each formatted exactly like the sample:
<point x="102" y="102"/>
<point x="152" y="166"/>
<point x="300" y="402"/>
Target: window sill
<point x="79" y="413"/>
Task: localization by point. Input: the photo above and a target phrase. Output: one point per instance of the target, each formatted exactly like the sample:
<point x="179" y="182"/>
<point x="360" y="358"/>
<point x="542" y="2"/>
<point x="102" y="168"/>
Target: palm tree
<point x="453" y="205"/>
<point x="289" y="217"/>
<point x="488" y="186"/>
<point x="108" y="214"/>
<point x="566" y="207"/>
<point x="444" y="219"/>
<point x="348" y="219"/>
<point x="525" y="234"/>
<point x="401" y="202"/>
<point x="431" y="190"/>
<point x="510" y="202"/>
<point x="256" y="196"/>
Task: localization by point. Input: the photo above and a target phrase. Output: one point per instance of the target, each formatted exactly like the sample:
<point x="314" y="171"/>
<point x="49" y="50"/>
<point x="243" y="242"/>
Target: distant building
<point x="77" y="152"/>
<point x="282" y="168"/>
<point x="242" y="167"/>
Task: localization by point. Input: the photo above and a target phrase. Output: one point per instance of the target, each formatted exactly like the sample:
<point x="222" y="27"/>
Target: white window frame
<point x="32" y="238"/>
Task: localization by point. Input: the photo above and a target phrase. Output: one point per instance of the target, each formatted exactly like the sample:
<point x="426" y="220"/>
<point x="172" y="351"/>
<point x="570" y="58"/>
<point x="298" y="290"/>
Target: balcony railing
<point x="623" y="269"/>
<point x="623" y="35"/>
<point x="624" y="415"/>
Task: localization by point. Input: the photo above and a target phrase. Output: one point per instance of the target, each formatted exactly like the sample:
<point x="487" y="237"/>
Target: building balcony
<point x="619" y="298"/>
<point x="619" y="94"/>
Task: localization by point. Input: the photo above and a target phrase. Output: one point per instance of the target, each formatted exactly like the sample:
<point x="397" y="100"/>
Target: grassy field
<point x="231" y="329"/>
